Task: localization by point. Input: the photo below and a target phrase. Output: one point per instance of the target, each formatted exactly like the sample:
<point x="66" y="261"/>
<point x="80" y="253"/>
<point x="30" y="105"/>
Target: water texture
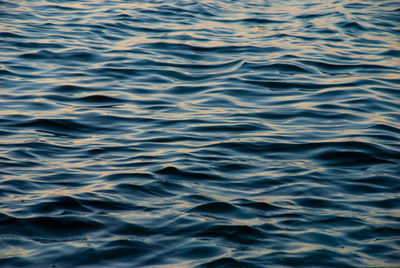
<point x="199" y="133"/>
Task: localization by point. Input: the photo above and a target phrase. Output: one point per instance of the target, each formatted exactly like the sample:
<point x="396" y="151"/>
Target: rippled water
<point x="199" y="133"/>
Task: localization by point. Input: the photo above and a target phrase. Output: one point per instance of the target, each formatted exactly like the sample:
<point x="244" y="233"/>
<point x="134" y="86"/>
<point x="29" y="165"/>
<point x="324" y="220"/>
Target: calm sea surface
<point x="199" y="133"/>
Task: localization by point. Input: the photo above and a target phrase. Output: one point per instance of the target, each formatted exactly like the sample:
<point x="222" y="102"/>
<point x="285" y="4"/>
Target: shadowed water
<point x="199" y="133"/>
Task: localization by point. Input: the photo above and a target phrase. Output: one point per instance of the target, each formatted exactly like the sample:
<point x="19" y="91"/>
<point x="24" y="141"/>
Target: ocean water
<point x="199" y="133"/>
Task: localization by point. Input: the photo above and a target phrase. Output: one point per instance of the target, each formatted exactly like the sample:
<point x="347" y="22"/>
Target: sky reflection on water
<point x="199" y="133"/>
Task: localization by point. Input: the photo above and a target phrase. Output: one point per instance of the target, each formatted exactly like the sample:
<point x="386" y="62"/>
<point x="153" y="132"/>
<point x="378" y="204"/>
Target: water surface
<point x="199" y="133"/>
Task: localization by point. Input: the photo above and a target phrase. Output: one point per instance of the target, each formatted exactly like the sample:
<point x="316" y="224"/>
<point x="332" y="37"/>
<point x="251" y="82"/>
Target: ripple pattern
<point x="199" y="133"/>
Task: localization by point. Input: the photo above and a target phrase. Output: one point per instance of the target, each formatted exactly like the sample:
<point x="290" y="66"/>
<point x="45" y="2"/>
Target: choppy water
<point x="199" y="133"/>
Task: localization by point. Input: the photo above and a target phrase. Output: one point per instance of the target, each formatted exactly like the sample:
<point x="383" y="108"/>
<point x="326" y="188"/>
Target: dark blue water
<point x="199" y="133"/>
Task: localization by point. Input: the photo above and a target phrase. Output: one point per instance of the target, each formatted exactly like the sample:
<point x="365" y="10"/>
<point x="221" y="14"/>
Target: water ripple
<point x="199" y="133"/>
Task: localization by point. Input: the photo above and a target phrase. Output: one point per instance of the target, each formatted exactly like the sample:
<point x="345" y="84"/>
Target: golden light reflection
<point x="12" y="252"/>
